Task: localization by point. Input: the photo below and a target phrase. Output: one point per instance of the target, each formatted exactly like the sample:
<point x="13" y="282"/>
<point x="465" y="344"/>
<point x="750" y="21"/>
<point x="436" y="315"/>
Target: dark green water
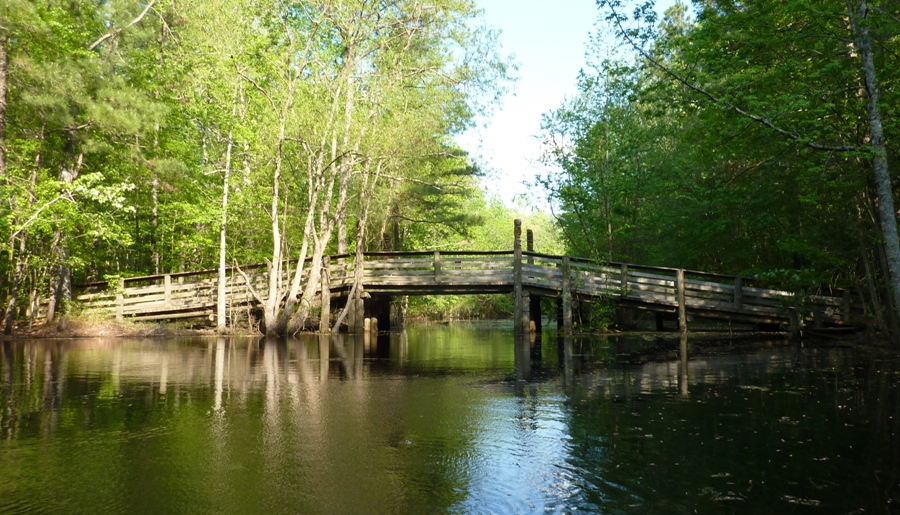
<point x="446" y="419"/>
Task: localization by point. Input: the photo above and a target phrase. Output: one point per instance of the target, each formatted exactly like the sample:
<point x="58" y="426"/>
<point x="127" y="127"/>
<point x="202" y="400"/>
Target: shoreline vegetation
<point x="150" y="139"/>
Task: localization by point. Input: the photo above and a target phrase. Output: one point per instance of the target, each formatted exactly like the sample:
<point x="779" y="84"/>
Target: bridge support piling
<point x="524" y="323"/>
<point x="566" y="297"/>
<point x="520" y="315"/>
<point x="356" y="315"/>
<point x="378" y="310"/>
<point x="396" y="312"/>
<point x="796" y="329"/>
<point x="679" y="296"/>
<point x="845" y="307"/>
<point x="437" y="267"/>
<point x="325" y="315"/>
<point x="683" y="376"/>
<point x="534" y="305"/>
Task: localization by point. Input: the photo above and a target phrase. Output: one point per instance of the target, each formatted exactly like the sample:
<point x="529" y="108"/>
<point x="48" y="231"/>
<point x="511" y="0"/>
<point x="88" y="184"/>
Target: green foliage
<point x="123" y="117"/>
<point x="597" y="315"/>
<point x="733" y="142"/>
<point x="495" y="232"/>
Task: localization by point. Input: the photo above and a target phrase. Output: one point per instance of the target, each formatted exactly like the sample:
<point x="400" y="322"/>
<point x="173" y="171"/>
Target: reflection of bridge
<point x="526" y="275"/>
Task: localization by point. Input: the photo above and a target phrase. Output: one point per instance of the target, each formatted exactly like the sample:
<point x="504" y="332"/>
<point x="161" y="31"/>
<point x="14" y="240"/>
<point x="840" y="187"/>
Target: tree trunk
<point x="867" y="268"/>
<point x="154" y="220"/>
<point x="220" y="293"/>
<point x="4" y="81"/>
<point x="18" y="274"/>
<point x="21" y="268"/>
<point x="886" y="213"/>
<point x="356" y="290"/>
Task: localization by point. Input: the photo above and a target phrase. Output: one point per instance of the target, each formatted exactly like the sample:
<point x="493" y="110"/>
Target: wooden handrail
<point x="747" y="281"/>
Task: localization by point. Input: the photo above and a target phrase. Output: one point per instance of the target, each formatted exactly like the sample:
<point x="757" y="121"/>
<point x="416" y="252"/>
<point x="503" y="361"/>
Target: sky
<point x="548" y="39"/>
<point x="549" y="45"/>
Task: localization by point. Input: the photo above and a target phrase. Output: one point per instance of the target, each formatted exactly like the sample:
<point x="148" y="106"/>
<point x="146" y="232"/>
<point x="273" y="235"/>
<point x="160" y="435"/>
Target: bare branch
<point x="33" y="217"/>
<point x="115" y="31"/>
<point x="257" y="86"/>
<point x="249" y="284"/>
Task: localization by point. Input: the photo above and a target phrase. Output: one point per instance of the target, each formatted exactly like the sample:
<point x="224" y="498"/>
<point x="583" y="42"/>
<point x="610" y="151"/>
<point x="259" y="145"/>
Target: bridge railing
<point x="190" y="294"/>
<point x="726" y="294"/>
<point x="424" y="269"/>
<point x="175" y="295"/>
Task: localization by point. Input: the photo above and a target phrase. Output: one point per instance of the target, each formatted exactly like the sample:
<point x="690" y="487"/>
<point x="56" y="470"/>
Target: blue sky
<point x="548" y="43"/>
<point x="548" y="39"/>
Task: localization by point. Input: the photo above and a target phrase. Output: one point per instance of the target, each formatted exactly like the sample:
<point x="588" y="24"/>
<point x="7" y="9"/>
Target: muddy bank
<point x="67" y="327"/>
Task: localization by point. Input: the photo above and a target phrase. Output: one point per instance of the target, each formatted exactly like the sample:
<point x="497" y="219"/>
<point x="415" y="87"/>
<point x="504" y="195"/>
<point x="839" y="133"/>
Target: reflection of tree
<point x="753" y="436"/>
<point x="329" y="427"/>
<point x="141" y="423"/>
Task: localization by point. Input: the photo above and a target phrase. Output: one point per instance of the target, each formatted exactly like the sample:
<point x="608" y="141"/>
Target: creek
<point x="458" y="418"/>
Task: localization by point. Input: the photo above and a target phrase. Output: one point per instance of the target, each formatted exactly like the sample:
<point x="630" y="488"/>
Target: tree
<point x="768" y="117"/>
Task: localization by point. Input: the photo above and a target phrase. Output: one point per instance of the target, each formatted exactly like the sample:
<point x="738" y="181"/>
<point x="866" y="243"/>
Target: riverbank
<point x="70" y="327"/>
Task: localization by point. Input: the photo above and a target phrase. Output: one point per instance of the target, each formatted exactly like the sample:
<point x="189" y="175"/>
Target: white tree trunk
<point x="887" y="216"/>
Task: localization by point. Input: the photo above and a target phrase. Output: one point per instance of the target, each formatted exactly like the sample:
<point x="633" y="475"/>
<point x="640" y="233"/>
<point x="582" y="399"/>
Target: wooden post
<point x="795" y="321"/>
<point x="683" y="380"/>
<point x="845" y="307"/>
<point x="167" y="282"/>
<point x="566" y="297"/>
<point x="437" y="266"/>
<point x="679" y="297"/>
<point x="325" y="315"/>
<point x="396" y="313"/>
<point x="738" y="293"/>
<point x="818" y="323"/>
<point x="357" y="314"/>
<point x="358" y="304"/>
<point x="520" y="310"/>
<point x="525" y="315"/>
<point x="535" y="324"/>
<point x="624" y="279"/>
<point x="120" y="299"/>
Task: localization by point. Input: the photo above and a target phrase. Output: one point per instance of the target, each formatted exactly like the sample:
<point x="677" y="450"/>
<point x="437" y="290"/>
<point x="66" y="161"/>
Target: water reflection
<point x="450" y="419"/>
<point x="684" y="377"/>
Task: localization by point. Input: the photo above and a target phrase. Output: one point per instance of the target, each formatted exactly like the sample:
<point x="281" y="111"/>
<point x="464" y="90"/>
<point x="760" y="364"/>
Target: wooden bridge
<point x="527" y="275"/>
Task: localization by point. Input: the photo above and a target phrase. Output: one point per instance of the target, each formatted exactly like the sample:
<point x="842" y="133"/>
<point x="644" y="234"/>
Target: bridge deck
<point x="193" y="294"/>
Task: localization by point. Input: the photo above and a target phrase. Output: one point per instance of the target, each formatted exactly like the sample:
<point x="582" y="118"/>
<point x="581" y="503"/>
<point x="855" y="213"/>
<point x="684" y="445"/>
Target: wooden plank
<point x="566" y="297"/>
<point x="420" y="263"/>
<point x="680" y="299"/>
<point x="429" y="272"/>
<point x="763" y="292"/>
<point x="173" y="316"/>
<point x="480" y="271"/>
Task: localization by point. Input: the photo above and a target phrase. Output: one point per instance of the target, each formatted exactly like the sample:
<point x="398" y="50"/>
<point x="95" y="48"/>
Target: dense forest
<point x="145" y="137"/>
<point x="154" y="136"/>
<point x="752" y="138"/>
